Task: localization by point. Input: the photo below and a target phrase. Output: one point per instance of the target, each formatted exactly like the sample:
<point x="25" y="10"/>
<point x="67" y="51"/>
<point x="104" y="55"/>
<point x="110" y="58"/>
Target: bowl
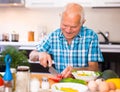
<point x="69" y="87"/>
<point x="85" y="75"/>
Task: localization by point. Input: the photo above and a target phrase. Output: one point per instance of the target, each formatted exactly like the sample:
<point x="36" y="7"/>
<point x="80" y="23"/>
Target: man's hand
<point x="43" y="57"/>
<point x="67" y="72"/>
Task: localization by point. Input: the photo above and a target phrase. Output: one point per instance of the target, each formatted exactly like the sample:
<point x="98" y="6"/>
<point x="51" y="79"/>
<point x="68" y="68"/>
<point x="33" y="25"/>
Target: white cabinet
<point x="105" y="3"/>
<point x="62" y="3"/>
<point x="12" y="2"/>
<point x="85" y="3"/>
<point x="39" y="3"/>
<point x="54" y="3"/>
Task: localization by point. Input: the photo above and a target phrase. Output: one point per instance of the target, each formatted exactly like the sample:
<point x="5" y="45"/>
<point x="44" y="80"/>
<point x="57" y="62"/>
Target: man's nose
<point x="68" y="29"/>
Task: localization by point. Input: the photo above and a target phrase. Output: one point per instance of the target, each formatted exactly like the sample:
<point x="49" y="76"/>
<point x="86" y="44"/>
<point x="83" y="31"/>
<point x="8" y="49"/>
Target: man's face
<point x="70" y="26"/>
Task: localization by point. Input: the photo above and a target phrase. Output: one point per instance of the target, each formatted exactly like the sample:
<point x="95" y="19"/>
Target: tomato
<point x="56" y="78"/>
<point x="1" y="81"/>
<point x="59" y="76"/>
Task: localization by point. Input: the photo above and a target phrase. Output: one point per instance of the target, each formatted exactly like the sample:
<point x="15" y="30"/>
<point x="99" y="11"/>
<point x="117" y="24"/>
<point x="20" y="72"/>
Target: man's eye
<point x="73" y="26"/>
<point x="65" y="25"/>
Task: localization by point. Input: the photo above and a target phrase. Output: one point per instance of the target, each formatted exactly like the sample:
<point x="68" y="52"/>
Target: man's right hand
<point x="44" y="58"/>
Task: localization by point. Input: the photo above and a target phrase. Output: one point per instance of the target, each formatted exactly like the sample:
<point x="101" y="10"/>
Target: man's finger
<point x="49" y="61"/>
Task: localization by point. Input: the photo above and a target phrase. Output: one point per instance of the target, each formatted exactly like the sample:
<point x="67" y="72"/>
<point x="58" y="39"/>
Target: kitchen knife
<point x="53" y="71"/>
<point x="57" y="77"/>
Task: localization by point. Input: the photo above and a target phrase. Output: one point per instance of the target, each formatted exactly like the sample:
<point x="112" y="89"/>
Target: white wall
<point x="23" y="20"/>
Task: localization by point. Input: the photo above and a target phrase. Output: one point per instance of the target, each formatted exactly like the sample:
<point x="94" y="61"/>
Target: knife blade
<point x="53" y="71"/>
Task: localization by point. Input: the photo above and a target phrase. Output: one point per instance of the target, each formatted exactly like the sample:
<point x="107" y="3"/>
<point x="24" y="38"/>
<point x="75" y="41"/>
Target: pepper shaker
<point x="45" y="83"/>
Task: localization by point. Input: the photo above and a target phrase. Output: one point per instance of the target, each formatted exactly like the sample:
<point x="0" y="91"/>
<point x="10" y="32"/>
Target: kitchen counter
<point x="110" y="48"/>
<point x="32" y="45"/>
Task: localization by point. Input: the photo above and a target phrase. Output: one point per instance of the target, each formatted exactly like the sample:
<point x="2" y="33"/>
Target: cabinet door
<point x="62" y="3"/>
<point x="105" y="3"/>
<point x="10" y="1"/>
<point x="111" y="61"/>
<point x="39" y="3"/>
<point x="55" y="3"/>
<point x="4" y="1"/>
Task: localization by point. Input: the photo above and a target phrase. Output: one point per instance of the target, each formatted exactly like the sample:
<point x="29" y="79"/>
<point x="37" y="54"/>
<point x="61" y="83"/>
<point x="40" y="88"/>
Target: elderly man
<point x="72" y="46"/>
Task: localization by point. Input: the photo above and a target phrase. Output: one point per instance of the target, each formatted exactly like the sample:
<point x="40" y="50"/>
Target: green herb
<point x="18" y="57"/>
<point x="98" y="73"/>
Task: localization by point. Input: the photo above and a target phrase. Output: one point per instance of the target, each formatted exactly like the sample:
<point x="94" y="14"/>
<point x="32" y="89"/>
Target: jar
<point x="5" y="37"/>
<point x="30" y="36"/>
<point x="22" y="79"/>
<point x="15" y="37"/>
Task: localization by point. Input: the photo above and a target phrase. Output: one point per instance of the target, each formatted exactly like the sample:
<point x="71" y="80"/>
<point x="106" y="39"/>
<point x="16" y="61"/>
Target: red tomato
<point x="56" y="78"/>
<point x="1" y="81"/>
<point x="59" y="76"/>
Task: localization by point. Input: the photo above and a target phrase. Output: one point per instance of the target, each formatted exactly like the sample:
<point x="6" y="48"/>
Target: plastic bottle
<point x="8" y="75"/>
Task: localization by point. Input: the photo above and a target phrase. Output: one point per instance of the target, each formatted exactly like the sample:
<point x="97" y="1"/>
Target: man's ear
<point x="83" y="21"/>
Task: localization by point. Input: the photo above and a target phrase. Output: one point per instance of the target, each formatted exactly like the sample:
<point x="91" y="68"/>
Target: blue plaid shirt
<point x="84" y="48"/>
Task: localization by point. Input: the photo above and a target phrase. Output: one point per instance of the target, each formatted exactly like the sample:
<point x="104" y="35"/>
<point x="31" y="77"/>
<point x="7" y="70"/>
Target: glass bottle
<point x="22" y="79"/>
<point x="8" y="75"/>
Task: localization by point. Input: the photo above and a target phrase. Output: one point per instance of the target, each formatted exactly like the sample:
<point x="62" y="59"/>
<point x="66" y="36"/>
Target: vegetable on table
<point x="107" y="74"/>
<point x="65" y="89"/>
<point x="74" y="81"/>
<point x="56" y="78"/>
<point x="1" y="81"/>
<point x="116" y="81"/>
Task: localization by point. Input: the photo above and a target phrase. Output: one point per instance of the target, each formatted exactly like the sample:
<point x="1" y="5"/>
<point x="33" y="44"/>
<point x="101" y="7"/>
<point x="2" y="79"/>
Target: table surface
<point x="39" y="76"/>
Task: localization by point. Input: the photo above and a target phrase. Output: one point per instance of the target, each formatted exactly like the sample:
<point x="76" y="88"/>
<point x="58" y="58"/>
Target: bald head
<point x="74" y="9"/>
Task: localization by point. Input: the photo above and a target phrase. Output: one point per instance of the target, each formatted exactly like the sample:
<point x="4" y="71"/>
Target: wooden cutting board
<point x="39" y="76"/>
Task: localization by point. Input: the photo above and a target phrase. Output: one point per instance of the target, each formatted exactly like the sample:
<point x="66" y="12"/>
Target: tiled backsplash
<point x="22" y="20"/>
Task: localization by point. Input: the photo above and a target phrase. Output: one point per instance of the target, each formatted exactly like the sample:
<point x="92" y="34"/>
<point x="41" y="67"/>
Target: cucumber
<point x="74" y="81"/>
